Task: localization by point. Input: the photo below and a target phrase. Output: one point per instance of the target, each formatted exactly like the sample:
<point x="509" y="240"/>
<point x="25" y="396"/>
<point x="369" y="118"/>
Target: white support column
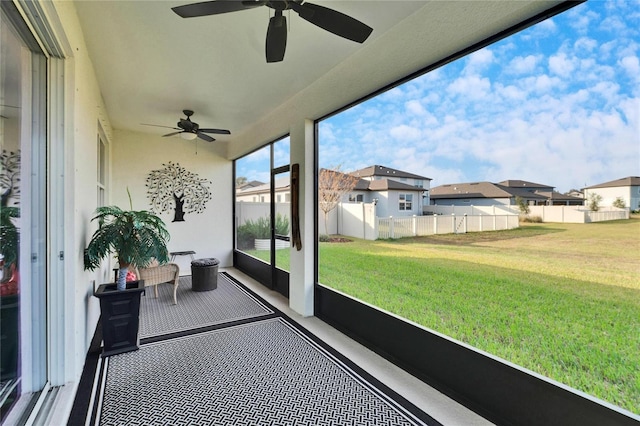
<point x="301" y="276"/>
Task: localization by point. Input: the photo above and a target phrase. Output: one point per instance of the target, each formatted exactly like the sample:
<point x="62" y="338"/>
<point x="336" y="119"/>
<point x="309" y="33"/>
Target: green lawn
<point x="560" y="299"/>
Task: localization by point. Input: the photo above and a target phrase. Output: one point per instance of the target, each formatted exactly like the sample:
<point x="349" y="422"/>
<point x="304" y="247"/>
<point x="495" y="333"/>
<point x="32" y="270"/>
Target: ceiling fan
<point x="190" y="130"/>
<point x="331" y="20"/>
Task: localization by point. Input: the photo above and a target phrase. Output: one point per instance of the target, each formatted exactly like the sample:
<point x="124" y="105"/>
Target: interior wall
<point x="209" y="234"/>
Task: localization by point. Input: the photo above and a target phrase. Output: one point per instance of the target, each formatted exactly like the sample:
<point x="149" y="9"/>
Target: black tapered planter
<point x="120" y="316"/>
<point x="9" y="316"/>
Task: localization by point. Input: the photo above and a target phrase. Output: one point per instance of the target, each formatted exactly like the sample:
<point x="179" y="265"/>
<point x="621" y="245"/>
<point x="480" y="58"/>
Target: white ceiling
<point x="151" y="64"/>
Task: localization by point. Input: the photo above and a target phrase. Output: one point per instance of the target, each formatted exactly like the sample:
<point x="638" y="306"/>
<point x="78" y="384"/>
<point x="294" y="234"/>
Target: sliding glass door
<point x="23" y="212"/>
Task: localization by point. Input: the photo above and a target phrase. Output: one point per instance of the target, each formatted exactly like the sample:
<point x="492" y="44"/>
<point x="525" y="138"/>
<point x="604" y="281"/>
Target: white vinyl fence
<point x="562" y="214"/>
<point x="577" y="214"/>
<point x="359" y="220"/>
<point x="399" y="227"/>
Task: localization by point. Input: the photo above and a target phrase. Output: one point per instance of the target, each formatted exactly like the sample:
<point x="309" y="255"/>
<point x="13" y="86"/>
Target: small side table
<point x="182" y="253"/>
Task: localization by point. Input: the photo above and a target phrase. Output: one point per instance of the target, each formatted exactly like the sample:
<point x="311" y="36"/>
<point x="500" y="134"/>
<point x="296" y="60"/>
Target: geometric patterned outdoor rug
<point x="228" y="302"/>
<point x="267" y="370"/>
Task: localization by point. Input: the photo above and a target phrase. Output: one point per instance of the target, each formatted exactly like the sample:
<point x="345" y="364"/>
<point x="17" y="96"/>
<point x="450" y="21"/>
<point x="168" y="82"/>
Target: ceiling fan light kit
<point x="328" y="19"/>
<point x="188" y="136"/>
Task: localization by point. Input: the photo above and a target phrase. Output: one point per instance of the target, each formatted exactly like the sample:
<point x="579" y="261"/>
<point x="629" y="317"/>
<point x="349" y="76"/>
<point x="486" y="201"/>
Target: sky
<point x="557" y="104"/>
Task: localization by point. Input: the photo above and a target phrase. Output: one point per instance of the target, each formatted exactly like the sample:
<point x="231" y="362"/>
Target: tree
<point x="332" y="186"/>
<point x="240" y="180"/>
<point x="176" y="187"/>
<point x="522" y="205"/>
<point x="594" y="201"/>
<point x="619" y="203"/>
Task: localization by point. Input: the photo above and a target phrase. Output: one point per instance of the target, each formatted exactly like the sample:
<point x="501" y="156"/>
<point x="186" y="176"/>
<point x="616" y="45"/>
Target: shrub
<point x="619" y="203"/>
<point x="522" y="205"/>
<point x="259" y="229"/>
<point x="594" y="202"/>
<point x="531" y="219"/>
<point x="282" y="224"/>
<point x="244" y="237"/>
<point x="324" y="238"/>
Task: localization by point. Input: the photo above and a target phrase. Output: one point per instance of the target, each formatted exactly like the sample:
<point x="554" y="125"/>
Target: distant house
<point x="551" y="196"/>
<point x="575" y="193"/>
<point x="628" y="189"/>
<point x="392" y="198"/>
<point x="503" y="193"/>
<point x="259" y="192"/>
<point x="382" y="173"/>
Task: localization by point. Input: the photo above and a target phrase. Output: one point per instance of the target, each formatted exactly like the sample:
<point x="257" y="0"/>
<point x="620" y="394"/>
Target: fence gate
<point x="460" y="224"/>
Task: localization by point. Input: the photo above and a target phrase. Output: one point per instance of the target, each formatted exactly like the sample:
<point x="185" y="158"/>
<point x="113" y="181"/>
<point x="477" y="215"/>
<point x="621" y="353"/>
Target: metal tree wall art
<point x="175" y="187"/>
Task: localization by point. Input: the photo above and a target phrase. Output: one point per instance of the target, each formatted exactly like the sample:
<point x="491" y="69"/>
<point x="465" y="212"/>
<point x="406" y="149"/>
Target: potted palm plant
<point x="136" y="238"/>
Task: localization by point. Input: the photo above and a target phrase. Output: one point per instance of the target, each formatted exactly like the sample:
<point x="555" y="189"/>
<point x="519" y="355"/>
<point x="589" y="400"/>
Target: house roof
<point x="523" y="184"/>
<point x="382" y="184"/>
<point x="557" y="196"/>
<point x="389" y="184"/>
<point x="386" y="172"/>
<point x="498" y="190"/>
<point x="250" y="184"/>
<point x="525" y="193"/>
<point x="469" y="190"/>
<point x="627" y="181"/>
<point x="264" y="188"/>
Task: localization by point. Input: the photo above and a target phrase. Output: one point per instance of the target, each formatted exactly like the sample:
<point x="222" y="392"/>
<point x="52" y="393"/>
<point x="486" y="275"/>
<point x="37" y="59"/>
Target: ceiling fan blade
<point x="214" y="7"/>
<point x="276" y="43"/>
<point x="172" y="134"/>
<point x="216" y="131"/>
<point x="157" y="125"/>
<point x="205" y="137"/>
<point x="333" y="21"/>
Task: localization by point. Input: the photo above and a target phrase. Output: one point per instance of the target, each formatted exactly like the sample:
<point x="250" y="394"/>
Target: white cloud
<point x="524" y="64"/>
<point x="405" y="133"/>
<point x="478" y="60"/>
<point x="561" y="65"/>
<point x="511" y="92"/>
<point x="415" y="107"/>
<point x="585" y="44"/>
<point x="606" y="49"/>
<point x="471" y="87"/>
<point x="631" y="66"/>
<point x="543" y="83"/>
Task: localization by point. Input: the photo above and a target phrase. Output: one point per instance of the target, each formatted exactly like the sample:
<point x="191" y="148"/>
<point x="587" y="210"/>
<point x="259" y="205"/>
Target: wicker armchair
<point x="168" y="273"/>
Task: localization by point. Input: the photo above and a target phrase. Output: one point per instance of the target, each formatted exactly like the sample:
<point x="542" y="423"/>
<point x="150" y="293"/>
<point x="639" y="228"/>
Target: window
<point x="102" y="169"/>
<point x="419" y="183"/>
<point x="405" y="202"/>
<point x="356" y="198"/>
